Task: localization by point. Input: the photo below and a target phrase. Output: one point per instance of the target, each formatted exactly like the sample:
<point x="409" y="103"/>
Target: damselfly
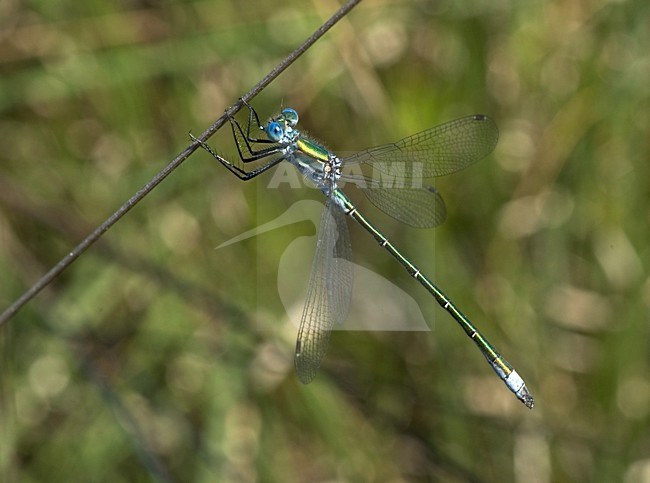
<point x="438" y="151"/>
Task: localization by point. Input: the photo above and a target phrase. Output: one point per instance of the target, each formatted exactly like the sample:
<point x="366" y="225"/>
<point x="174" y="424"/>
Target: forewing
<point x="438" y="151"/>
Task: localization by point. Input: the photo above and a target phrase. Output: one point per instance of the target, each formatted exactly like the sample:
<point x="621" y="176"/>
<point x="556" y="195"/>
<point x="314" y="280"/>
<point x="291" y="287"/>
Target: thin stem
<point x="66" y="261"/>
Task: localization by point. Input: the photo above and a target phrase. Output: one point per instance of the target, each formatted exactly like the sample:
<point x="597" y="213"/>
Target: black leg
<point x="245" y="141"/>
<point x="246" y="138"/>
<point x="244" y="144"/>
<point x="236" y="170"/>
<point x="252" y="114"/>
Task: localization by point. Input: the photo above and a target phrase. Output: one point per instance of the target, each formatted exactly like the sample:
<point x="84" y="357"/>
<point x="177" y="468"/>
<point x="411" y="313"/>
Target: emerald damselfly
<point x="438" y="151"/>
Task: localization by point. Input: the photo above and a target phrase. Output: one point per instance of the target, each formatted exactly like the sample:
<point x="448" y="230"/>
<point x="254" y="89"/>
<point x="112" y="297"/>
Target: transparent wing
<point x="416" y="207"/>
<point x="328" y="292"/>
<point x="438" y="151"/>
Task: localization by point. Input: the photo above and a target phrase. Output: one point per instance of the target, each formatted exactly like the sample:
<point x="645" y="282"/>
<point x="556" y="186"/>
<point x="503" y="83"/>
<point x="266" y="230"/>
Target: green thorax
<point x="313" y="149"/>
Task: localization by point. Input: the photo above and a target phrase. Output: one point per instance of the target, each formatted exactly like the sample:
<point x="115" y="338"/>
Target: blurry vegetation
<point x="157" y="357"/>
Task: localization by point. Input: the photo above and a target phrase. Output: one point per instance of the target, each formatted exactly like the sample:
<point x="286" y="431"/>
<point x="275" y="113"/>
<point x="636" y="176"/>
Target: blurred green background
<point x="155" y="357"/>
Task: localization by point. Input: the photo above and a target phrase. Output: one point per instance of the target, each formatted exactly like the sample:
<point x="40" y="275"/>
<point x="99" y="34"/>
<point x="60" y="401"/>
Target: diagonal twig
<point x="66" y="261"/>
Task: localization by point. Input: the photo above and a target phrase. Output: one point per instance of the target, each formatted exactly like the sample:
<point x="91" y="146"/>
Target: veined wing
<point x="416" y="207"/>
<point x="328" y="292"/>
<point x="438" y="151"/>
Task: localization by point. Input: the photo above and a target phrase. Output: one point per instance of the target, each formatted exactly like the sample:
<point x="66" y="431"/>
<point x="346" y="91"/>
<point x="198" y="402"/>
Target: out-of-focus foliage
<point x="157" y="357"/>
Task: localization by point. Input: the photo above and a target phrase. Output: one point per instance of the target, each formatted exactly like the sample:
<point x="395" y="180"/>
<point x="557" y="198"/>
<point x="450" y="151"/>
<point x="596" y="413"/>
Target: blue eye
<point x="291" y="116"/>
<point x="274" y="131"/>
